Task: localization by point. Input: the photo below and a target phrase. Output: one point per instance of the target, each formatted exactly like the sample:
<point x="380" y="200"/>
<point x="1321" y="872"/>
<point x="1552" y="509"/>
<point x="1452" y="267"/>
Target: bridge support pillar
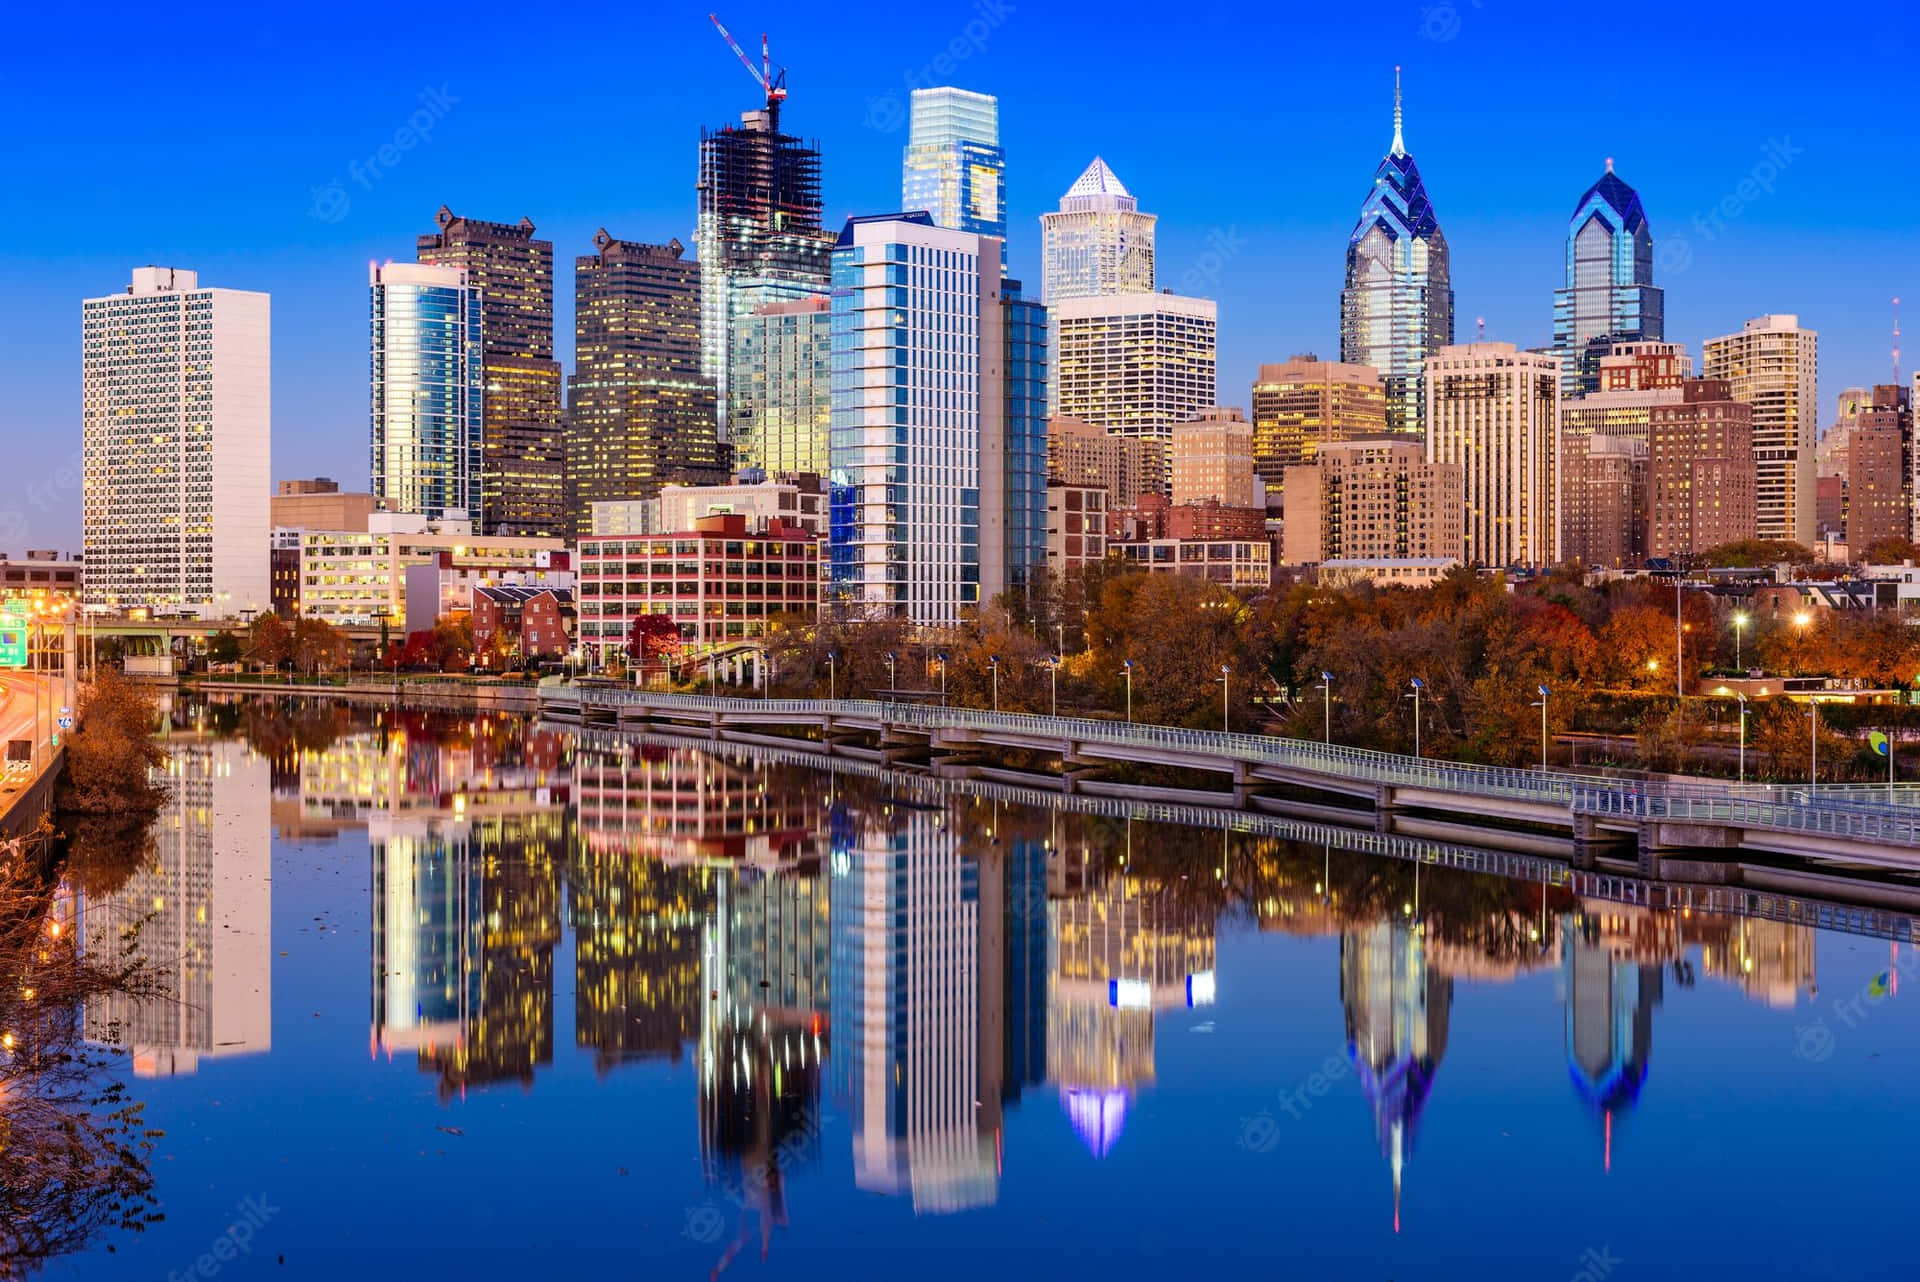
<point x="1585" y="842"/>
<point x="1383" y="808"/>
<point x="1244" y="784"/>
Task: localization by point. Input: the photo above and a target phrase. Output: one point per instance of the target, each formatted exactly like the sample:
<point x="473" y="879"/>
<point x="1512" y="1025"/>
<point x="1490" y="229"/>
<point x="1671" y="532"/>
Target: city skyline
<point x="1774" y="252"/>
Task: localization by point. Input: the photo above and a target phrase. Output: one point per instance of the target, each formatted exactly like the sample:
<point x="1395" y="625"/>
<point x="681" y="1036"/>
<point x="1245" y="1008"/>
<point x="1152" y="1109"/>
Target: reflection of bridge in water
<point x="1826" y="911"/>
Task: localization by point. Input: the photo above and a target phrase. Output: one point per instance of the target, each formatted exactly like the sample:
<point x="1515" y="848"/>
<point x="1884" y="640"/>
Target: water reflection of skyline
<point x="816" y="946"/>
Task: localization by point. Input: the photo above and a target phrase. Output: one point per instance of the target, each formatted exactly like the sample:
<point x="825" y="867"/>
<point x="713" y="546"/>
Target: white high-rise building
<point x="201" y="911"/>
<point x="1495" y="410"/>
<point x="1135" y="364"/>
<point x="176" y="420"/>
<point x="1097" y="242"/>
<point x="919" y="450"/>
<point x="1772" y="365"/>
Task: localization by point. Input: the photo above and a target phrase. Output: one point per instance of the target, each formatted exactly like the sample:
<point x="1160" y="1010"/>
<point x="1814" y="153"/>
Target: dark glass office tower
<point x="639" y="411"/>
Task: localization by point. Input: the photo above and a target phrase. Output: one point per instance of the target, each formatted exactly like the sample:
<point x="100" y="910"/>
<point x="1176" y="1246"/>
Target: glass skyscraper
<point x="1397" y="306"/>
<point x="427" y="377"/>
<point x="781" y="387"/>
<point x="954" y="168"/>
<point x="1026" y="462"/>
<point x="1609" y="295"/>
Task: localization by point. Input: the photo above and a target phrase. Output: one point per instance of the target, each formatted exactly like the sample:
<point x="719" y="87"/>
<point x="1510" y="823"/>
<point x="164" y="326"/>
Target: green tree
<point x="224" y="647"/>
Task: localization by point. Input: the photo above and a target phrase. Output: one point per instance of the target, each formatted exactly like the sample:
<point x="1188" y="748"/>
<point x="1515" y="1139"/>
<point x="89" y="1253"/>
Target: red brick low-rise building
<point x="723" y="580"/>
<point x="536" y="621"/>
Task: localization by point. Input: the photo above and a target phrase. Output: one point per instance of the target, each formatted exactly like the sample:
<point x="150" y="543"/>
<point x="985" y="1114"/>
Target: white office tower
<point x="200" y="912"/>
<point x="1097" y="242"/>
<point x="1134" y="364"/>
<point x="919" y="428"/>
<point x="176" y="422"/>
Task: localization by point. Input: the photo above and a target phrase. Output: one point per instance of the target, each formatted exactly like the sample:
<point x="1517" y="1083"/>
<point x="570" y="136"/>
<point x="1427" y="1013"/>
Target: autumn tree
<point x="317" y="644"/>
<point x="269" y="642"/>
<point x="112" y="755"/>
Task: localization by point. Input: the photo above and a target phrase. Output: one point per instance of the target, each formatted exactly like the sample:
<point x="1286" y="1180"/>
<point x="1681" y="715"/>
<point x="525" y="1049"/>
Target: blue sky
<point x="200" y="138"/>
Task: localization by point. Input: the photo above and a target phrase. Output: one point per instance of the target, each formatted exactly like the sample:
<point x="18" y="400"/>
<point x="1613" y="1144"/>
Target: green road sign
<point x="13" y="640"/>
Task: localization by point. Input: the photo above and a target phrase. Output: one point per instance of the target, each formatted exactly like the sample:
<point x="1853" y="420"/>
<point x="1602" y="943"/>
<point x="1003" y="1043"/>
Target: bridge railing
<point x="1868" y="811"/>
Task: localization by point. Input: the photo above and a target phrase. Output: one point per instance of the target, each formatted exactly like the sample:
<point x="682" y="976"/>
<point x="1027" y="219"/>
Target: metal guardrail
<point x="1850" y="811"/>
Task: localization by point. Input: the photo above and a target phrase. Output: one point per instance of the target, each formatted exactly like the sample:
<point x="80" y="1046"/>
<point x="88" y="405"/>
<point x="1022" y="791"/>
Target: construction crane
<point x="774" y="86"/>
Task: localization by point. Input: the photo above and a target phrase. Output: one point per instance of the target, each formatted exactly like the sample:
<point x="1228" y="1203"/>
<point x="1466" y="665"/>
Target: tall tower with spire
<point x="1609" y="296"/>
<point x="1397" y="305"/>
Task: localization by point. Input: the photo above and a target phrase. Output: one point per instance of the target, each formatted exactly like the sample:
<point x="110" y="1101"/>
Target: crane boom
<point x="759" y="77"/>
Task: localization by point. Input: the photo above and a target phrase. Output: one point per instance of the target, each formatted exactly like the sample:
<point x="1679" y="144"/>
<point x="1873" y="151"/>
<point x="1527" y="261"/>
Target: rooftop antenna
<point x="1896" y="342"/>
<point x="1480" y="322"/>
<point x="1399" y="146"/>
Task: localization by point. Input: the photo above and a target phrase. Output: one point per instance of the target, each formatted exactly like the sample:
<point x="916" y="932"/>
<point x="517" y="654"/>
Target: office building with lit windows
<point x="640" y="414"/>
<point x="1098" y="242"/>
<point x="1306" y="403"/>
<point x="1135" y="365"/>
<point x="1609" y="296"/>
<point x="932" y="389"/>
<point x="523" y="458"/>
<point x="1396" y="307"/>
<point x="1701" y="472"/>
<point x="1495" y="411"/>
<point x="427" y="387"/>
<point x="1772" y="365"/>
<point x="176" y="417"/>
<point x="954" y="167"/>
<point x="782" y="390"/>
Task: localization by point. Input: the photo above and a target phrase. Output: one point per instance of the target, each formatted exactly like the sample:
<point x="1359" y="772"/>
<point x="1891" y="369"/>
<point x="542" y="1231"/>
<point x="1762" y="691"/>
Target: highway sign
<point x="13" y="641"/>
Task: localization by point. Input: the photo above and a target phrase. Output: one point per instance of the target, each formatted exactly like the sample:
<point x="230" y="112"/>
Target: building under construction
<point x="759" y="237"/>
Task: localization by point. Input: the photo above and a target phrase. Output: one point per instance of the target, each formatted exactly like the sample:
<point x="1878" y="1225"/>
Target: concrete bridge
<point x="1866" y="825"/>
<point x="1812" y="899"/>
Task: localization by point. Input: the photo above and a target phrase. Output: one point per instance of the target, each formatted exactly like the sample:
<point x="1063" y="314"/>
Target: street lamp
<point x="830" y="676"/>
<point x="1743" y="737"/>
<point x="1418" y="685"/>
<point x="993" y="662"/>
<point x="1542" y="705"/>
<point x="943" y="678"/>
<point x="1326" y="704"/>
<point x="1126" y="670"/>
<point x="1226" y="675"/>
<point x="1739" y="625"/>
<point x="1679" y="645"/>
<point x="1054" y="667"/>
<point x="892" y="685"/>
<point x="1813" y="744"/>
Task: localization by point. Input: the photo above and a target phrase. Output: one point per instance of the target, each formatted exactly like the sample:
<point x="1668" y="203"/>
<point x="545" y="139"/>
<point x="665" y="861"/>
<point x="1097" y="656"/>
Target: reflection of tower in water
<point x="920" y="1089"/>
<point x="466" y="917"/>
<point x="1609" y="1014"/>
<point x="1397" y="1012"/>
<point x="204" y="909"/>
<point x="1123" y="953"/>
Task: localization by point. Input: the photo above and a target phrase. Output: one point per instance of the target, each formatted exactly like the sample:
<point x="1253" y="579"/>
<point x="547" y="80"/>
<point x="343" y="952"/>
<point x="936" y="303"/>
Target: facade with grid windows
<point x="724" y="580"/>
<point x="176" y="417"/>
